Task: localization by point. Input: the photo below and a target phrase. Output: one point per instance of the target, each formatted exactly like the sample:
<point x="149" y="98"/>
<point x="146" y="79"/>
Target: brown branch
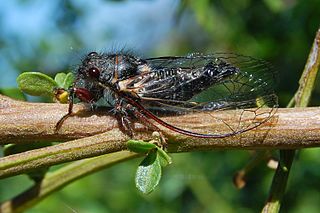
<point x="22" y="122"/>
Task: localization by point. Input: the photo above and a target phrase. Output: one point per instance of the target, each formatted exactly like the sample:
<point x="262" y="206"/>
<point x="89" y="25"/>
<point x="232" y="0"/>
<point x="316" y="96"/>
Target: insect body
<point x="140" y="90"/>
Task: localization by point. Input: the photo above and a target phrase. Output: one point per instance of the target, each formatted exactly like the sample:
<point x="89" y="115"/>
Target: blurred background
<point x="52" y="36"/>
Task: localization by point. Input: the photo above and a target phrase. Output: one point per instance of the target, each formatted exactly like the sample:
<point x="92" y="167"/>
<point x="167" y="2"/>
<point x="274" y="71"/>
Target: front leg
<point x="127" y="115"/>
<point x="124" y="117"/>
<point x="142" y="119"/>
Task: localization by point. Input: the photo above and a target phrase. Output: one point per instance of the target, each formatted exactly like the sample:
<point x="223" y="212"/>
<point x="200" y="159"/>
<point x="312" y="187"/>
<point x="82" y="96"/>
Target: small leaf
<point x="148" y="173"/>
<point x="13" y="93"/>
<point x="59" y="79"/>
<point x="64" y="80"/>
<point x="68" y="80"/>
<point x="164" y="158"/>
<point x="36" y="84"/>
<point x="140" y="146"/>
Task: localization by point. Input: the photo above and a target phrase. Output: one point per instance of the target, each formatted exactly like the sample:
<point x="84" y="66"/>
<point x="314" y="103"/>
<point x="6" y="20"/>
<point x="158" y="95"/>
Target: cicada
<point x="151" y="91"/>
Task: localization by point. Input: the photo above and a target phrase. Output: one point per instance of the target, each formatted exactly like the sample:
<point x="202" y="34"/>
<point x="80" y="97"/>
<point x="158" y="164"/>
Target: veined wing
<point x="209" y="84"/>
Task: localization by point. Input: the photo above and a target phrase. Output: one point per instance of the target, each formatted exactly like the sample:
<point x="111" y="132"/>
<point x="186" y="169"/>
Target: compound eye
<point x="94" y="72"/>
<point x="92" y="54"/>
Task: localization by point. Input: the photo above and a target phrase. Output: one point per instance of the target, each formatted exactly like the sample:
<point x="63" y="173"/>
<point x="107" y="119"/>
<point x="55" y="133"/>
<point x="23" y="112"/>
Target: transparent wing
<point x="233" y="92"/>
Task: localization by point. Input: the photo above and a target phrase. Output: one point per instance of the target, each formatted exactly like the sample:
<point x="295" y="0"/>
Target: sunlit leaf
<point x="148" y="173"/>
<point x="59" y="79"/>
<point x="64" y="80"/>
<point x="36" y="84"/>
<point x="68" y="80"/>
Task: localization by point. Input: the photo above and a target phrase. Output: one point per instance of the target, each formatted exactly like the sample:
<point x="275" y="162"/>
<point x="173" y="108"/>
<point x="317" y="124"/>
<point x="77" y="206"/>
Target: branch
<point x="23" y="122"/>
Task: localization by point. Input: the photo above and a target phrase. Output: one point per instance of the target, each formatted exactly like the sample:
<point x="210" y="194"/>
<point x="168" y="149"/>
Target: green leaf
<point x="36" y="84"/>
<point x="68" y="80"/>
<point x="13" y="93"/>
<point x="64" y="80"/>
<point x="148" y="173"/>
<point x="164" y="158"/>
<point x="140" y="146"/>
<point x="59" y="79"/>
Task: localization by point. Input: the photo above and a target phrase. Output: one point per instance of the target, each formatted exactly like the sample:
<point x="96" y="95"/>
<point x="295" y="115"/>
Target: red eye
<point x="94" y="72"/>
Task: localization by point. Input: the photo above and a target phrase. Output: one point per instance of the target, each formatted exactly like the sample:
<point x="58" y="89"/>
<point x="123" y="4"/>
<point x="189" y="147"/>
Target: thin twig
<point x="56" y="180"/>
<point x="301" y="99"/>
<point x="309" y="74"/>
<point x="64" y="152"/>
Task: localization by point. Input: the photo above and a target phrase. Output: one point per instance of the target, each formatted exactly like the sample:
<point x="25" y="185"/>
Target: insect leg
<point x="123" y="118"/>
<point x="146" y="122"/>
